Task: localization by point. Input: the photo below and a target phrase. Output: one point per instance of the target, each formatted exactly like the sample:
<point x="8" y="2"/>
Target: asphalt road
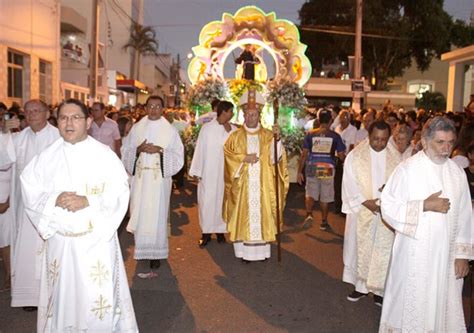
<point x="209" y="290"/>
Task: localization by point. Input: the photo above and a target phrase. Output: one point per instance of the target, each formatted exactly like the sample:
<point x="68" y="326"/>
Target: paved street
<point x="210" y="290"/>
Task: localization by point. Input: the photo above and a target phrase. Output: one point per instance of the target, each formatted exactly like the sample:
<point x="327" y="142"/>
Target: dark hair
<point x="411" y="114"/>
<point x="324" y="116"/>
<point x="392" y="115"/>
<point x="100" y="104"/>
<point x="155" y="97"/>
<point x="466" y="135"/>
<point x="82" y="106"/>
<point x="380" y="125"/>
<point x="111" y="114"/>
<point x="53" y="121"/>
<point x="224" y="106"/>
<point x="3" y="106"/>
<point x="214" y="103"/>
<point x="470" y="149"/>
<point x="38" y="101"/>
<point x="121" y="122"/>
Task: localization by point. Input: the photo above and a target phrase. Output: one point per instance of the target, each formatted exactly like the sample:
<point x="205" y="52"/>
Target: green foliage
<point x="462" y="35"/>
<point x="289" y="94"/>
<point x="292" y="138"/>
<point x="143" y="42"/>
<point x="142" y="39"/>
<point x="189" y="139"/>
<point x="433" y="101"/>
<point x="201" y="94"/>
<point x="408" y="30"/>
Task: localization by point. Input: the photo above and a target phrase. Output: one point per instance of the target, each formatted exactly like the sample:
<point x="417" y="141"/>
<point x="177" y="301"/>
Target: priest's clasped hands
<point x="251" y="158"/>
<point x="373" y="205"/>
<point x="149" y="148"/>
<point x="72" y="202"/>
<point x="434" y="203"/>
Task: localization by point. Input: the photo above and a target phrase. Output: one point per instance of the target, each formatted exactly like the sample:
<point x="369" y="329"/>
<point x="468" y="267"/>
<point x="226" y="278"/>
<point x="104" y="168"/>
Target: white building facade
<point x="29" y="51"/>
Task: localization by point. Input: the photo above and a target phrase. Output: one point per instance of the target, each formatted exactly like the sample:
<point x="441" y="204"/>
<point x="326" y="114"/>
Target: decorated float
<point x="279" y="70"/>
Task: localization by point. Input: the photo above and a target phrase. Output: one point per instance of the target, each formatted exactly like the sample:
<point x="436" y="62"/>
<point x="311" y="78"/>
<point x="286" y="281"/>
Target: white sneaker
<point x="148" y="275"/>
<point x="308" y="222"/>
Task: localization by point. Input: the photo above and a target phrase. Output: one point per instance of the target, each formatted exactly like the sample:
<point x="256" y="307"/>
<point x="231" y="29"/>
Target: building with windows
<point x="29" y="52"/>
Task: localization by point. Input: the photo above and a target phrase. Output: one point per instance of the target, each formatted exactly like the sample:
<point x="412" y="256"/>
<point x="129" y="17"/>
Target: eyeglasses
<point x="154" y="107"/>
<point x="74" y="118"/>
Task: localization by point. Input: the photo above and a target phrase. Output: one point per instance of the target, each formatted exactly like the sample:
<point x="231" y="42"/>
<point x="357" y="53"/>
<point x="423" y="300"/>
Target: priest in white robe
<point x="153" y="154"/>
<point x="208" y="167"/>
<point x="76" y="194"/>
<point x="401" y="141"/>
<point x="6" y="223"/>
<point x="250" y="191"/>
<point x="367" y="239"/>
<point x="6" y="216"/>
<point x="427" y="202"/>
<point x="26" y="244"/>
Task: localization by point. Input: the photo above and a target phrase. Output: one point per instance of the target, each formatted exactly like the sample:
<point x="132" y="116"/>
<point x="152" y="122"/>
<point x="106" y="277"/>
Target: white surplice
<point x="151" y="185"/>
<point x="26" y="244"/>
<point x="422" y="293"/>
<point x="352" y="199"/>
<point x="7" y="150"/>
<point x="83" y="281"/>
<point x="6" y="219"/>
<point x="208" y="164"/>
<point x="348" y="135"/>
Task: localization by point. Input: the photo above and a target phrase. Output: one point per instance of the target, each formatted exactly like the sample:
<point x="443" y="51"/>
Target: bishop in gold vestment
<point x="250" y="191"/>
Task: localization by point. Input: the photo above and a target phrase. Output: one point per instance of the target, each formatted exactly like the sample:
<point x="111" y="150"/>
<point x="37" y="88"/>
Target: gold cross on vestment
<point x="102" y="307"/>
<point x="99" y="274"/>
<point x="53" y="271"/>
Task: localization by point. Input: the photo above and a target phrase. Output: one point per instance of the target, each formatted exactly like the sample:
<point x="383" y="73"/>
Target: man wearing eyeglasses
<point x="76" y="194"/>
<point x="153" y="155"/>
<point x="26" y="244"/>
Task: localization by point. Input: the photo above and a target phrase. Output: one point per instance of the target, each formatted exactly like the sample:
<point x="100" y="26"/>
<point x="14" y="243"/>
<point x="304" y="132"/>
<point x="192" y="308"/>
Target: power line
<point x="120" y="16"/>
<point x="349" y="33"/>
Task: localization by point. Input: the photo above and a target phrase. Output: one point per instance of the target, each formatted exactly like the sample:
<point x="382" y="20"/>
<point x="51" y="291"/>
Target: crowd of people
<point x="404" y="180"/>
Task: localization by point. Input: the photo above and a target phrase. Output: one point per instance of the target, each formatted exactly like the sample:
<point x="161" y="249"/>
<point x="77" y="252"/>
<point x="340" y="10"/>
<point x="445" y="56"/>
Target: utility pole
<point x="177" y="101"/>
<point x="94" y="56"/>
<point x="356" y="96"/>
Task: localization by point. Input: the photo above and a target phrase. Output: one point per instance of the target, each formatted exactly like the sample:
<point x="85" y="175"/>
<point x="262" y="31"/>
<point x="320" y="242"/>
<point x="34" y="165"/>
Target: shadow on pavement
<point x="293" y="295"/>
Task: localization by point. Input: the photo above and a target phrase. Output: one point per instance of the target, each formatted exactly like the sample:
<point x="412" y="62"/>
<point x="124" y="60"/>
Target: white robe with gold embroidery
<point x="83" y="282"/>
<point x="151" y="185"/>
<point x="422" y="293"/>
<point x="26" y="244"/>
<point x="367" y="240"/>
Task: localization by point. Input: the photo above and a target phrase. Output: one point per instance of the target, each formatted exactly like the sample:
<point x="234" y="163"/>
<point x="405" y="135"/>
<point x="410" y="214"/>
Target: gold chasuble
<point x="236" y="176"/>
<point x="374" y="240"/>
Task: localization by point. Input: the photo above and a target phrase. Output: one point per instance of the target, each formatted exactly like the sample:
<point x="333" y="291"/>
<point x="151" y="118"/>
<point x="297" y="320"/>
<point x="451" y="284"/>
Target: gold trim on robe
<point x="373" y="255"/>
<point x="235" y="206"/>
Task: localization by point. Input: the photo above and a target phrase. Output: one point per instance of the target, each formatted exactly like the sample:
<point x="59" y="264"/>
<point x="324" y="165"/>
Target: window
<point x="419" y="88"/>
<point x="42" y="80"/>
<point x="15" y="75"/>
<point x="67" y="93"/>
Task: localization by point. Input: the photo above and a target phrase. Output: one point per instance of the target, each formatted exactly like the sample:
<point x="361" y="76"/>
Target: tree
<point x="433" y="101"/>
<point x="143" y="42"/>
<point x="397" y="32"/>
